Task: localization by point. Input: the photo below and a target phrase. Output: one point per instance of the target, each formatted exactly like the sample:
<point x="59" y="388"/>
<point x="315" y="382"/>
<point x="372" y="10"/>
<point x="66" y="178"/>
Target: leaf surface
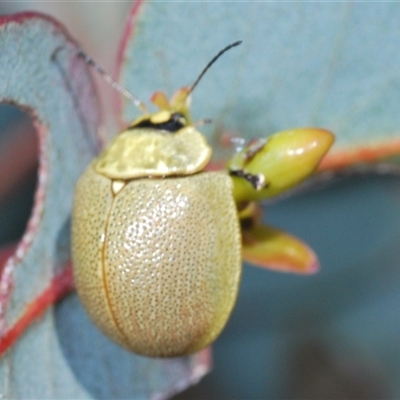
<point x="300" y="64"/>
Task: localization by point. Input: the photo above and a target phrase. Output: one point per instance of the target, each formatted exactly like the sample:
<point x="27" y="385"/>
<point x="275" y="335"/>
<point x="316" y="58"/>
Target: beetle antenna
<point x="215" y="58"/>
<point x="204" y="121"/>
<point x="108" y="78"/>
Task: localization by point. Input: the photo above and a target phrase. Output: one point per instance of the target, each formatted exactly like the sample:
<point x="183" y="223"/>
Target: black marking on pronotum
<point x="176" y="122"/>
<point x="258" y="181"/>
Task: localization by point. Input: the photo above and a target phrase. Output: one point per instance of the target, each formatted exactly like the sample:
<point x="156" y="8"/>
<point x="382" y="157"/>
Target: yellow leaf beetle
<point x="156" y="241"/>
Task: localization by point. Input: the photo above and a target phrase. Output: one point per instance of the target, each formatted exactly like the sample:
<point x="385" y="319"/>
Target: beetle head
<point x="172" y="116"/>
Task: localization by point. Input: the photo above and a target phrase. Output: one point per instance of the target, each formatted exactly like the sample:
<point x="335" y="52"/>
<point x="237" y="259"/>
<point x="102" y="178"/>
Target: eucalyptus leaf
<point x="331" y="65"/>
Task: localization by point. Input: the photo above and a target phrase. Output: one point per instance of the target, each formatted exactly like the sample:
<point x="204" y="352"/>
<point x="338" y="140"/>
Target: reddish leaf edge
<point x="126" y="36"/>
<point x="21" y="17"/>
<point x="61" y="284"/>
<point x="343" y="158"/>
<point x="5" y="253"/>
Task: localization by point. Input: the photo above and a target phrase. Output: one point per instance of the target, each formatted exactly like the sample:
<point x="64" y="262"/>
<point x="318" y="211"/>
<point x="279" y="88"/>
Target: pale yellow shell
<point x="157" y="265"/>
<point x="137" y="153"/>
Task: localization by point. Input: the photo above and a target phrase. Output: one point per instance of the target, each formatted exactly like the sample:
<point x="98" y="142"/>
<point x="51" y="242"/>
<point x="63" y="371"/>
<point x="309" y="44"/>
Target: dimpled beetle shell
<point x="157" y="255"/>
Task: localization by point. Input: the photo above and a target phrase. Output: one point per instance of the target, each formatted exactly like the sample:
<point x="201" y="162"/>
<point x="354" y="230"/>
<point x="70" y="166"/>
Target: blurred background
<point x="329" y="336"/>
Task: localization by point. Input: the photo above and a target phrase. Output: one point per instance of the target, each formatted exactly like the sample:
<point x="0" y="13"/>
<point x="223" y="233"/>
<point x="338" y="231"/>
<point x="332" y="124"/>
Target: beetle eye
<point x="173" y="124"/>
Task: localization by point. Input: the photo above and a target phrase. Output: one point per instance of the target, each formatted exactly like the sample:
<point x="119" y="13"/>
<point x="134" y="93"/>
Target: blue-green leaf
<point x="300" y="64"/>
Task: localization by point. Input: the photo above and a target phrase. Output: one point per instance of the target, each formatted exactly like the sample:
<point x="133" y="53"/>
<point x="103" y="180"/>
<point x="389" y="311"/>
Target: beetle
<point x="156" y="239"/>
